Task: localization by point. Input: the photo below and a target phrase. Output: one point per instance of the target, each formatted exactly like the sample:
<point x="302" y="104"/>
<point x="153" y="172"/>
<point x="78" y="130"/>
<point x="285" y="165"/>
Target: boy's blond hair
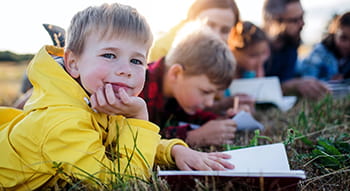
<point x="108" y="21"/>
<point x="201" y="51"/>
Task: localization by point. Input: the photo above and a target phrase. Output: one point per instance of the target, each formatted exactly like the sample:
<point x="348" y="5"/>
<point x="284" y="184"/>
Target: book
<point x="263" y="90"/>
<point x="246" y="122"/>
<point x="339" y="88"/>
<point x="263" y="167"/>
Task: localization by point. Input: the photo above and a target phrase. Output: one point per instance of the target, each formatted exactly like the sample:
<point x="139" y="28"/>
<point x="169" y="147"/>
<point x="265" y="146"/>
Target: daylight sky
<point x="22" y="30"/>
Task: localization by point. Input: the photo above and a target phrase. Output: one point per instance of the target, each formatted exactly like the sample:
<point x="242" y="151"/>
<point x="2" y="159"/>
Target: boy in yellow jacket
<point x="105" y="57"/>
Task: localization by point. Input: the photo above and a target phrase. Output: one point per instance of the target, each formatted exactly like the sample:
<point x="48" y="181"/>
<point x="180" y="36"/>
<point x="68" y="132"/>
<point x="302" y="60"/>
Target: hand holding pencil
<point x="241" y="102"/>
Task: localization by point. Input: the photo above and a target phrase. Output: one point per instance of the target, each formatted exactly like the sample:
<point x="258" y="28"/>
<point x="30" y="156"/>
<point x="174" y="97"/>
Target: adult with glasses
<point x="283" y="21"/>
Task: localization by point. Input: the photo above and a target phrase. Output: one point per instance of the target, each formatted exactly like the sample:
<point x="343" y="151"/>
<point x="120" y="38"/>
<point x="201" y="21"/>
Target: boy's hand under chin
<point x="105" y="100"/>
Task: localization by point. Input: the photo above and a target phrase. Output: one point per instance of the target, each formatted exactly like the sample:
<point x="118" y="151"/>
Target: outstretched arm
<point x="214" y="132"/>
<point x="306" y="87"/>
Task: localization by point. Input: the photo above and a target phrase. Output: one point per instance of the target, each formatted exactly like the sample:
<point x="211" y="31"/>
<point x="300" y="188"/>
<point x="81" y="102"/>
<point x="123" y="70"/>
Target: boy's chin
<point x="190" y="111"/>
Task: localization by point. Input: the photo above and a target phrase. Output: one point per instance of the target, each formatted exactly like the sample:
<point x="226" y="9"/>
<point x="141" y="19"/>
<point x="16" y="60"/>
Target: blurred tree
<point x="10" y="56"/>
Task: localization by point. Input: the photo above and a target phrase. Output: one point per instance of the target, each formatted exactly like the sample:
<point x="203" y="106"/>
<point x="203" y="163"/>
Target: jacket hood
<point x="53" y="86"/>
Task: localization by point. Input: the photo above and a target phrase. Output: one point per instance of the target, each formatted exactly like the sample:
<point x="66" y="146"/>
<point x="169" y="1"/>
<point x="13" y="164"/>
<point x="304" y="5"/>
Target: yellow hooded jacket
<point x="57" y="125"/>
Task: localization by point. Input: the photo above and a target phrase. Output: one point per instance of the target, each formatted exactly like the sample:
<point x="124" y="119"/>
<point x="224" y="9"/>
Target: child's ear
<point x="71" y="64"/>
<point x="176" y="70"/>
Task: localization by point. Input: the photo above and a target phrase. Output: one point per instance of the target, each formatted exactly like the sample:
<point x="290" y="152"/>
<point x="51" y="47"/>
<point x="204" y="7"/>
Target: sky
<point x="22" y="31"/>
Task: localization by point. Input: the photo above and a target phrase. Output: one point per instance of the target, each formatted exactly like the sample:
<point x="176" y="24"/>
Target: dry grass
<point x="11" y="74"/>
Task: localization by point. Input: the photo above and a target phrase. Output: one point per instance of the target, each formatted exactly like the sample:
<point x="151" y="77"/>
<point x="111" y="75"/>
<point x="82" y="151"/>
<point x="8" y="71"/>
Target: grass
<point x="11" y="75"/>
<point x="316" y="135"/>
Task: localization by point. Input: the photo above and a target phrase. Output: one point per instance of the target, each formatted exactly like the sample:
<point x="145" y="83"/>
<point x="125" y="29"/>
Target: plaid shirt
<point x="166" y="112"/>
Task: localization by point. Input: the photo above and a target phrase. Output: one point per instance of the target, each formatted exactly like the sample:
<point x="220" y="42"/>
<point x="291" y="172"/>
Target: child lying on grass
<point x="105" y="57"/>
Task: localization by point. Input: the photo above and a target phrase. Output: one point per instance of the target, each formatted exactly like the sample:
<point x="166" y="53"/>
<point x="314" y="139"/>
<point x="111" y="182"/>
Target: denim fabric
<point x="322" y="64"/>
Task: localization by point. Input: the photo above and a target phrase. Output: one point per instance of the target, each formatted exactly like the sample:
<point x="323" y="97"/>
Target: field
<point x="316" y="135"/>
<point x="11" y="74"/>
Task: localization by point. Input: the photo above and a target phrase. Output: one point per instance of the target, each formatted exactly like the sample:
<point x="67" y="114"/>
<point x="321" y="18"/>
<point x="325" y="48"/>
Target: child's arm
<point x="213" y="132"/>
<point x="189" y="159"/>
<point x="306" y="87"/>
<point x="106" y="101"/>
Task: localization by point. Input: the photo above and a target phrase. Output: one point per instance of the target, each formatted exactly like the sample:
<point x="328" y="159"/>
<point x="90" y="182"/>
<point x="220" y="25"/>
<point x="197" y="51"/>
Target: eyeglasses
<point x="292" y="20"/>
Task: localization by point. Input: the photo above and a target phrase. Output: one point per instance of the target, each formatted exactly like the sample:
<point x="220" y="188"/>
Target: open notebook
<point x="267" y="163"/>
<point x="339" y="88"/>
<point x="263" y="90"/>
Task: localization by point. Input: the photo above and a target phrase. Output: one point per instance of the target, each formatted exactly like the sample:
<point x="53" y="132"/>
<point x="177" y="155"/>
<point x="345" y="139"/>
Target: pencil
<point x="235" y="103"/>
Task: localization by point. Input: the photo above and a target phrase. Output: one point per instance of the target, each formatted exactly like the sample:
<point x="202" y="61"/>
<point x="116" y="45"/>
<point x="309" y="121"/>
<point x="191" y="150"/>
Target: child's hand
<point x="188" y="159"/>
<point x="231" y="112"/>
<point x="241" y="102"/>
<point x="105" y="100"/>
<point x="214" y="132"/>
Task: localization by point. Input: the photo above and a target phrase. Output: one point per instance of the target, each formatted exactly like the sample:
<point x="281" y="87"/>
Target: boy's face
<point x="194" y="93"/>
<point x="116" y="61"/>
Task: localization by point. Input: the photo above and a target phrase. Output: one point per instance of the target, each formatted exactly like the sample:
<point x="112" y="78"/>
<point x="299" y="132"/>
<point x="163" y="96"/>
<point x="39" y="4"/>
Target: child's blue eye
<point x="135" y="61"/>
<point x="109" y="55"/>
